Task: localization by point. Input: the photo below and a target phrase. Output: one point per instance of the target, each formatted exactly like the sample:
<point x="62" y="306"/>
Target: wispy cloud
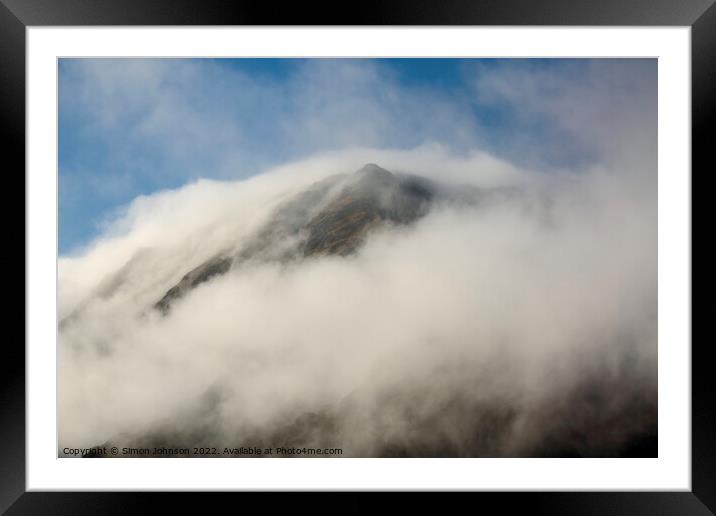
<point x="133" y="126"/>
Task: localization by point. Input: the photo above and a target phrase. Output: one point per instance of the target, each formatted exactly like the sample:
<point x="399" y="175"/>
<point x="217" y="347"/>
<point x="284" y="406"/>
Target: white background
<point x="670" y="471"/>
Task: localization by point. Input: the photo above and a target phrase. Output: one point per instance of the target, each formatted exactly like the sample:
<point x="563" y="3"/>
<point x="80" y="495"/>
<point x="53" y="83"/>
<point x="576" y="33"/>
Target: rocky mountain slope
<point x="333" y="217"/>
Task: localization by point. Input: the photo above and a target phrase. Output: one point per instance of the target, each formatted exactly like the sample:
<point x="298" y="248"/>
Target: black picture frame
<point x="16" y="15"/>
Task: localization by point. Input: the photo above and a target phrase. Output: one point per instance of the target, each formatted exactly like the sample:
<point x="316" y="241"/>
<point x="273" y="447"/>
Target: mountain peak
<point x="372" y="178"/>
<point x="371" y="169"/>
<point x="368" y="199"/>
<point x="368" y="167"/>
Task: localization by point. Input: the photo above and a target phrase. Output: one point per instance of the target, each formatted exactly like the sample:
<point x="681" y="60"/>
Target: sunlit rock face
<point x="332" y="217"/>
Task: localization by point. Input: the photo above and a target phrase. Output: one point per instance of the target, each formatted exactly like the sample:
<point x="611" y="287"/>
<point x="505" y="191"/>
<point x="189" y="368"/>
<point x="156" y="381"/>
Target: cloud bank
<point x="517" y="328"/>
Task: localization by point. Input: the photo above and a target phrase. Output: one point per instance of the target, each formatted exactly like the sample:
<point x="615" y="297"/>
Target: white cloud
<point x="421" y="308"/>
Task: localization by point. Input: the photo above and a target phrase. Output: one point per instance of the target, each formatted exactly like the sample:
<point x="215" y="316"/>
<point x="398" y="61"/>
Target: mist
<point x="525" y="326"/>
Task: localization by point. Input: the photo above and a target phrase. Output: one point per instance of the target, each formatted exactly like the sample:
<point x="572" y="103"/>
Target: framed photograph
<point x="423" y="248"/>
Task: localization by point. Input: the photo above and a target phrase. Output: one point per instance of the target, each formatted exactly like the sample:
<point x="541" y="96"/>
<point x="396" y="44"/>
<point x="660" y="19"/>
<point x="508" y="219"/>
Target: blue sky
<point x="130" y="127"/>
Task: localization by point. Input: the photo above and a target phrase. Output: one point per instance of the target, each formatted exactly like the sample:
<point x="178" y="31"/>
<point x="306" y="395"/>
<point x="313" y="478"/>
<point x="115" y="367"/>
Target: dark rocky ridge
<point x="333" y="217"/>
